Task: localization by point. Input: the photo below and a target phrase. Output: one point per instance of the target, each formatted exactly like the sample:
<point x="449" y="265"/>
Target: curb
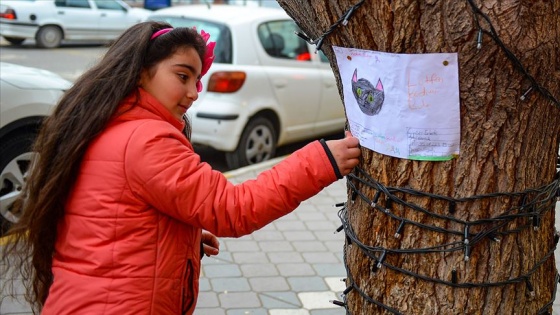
<point x="255" y="168"/>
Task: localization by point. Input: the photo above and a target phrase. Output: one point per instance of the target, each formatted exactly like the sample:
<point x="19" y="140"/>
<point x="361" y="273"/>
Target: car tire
<point x="257" y="144"/>
<point x="14" y="40"/>
<point x="15" y="159"/>
<point x="48" y="36"/>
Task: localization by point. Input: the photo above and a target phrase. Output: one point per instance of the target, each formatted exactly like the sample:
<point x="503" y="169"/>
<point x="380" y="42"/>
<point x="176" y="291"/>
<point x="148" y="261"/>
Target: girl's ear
<point x="144" y="77"/>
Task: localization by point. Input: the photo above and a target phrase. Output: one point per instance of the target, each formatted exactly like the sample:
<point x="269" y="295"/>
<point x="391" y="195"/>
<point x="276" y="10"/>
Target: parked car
<point x="28" y="95"/>
<point x="266" y="87"/>
<point x="50" y="22"/>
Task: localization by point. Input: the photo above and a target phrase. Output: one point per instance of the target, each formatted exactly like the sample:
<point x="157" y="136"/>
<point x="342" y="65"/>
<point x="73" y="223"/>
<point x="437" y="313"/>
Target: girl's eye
<point x="183" y="77"/>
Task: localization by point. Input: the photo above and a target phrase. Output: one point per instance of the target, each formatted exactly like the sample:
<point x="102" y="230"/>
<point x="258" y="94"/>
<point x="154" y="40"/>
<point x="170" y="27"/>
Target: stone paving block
<point x="259" y="270"/>
<point x="268" y="235"/>
<point x="237" y="245"/>
<point x="207" y="299"/>
<point x="257" y="257"/>
<point x="337" y="188"/>
<point x="334" y="246"/>
<point x="268" y="227"/>
<point x="294" y="236"/>
<point x="289" y="312"/>
<point x="328" y="201"/>
<point x="289" y="270"/>
<point x="204" y="284"/>
<point x="322" y="225"/>
<point x="12" y="286"/>
<point x="224" y="257"/>
<point x="310" y="246"/>
<point x="332" y="215"/>
<point x="335" y="284"/>
<point x="332" y="311"/>
<point x="306" y="207"/>
<point x="268" y="284"/>
<point x="290" y="225"/>
<point x="14" y="305"/>
<point x="230" y="284"/>
<point x="320" y="257"/>
<point x="330" y="270"/>
<point x="288" y="297"/>
<point x="250" y="311"/>
<point x="209" y="311"/>
<point x="291" y="257"/>
<point x="313" y="215"/>
<point x="239" y="300"/>
<point x="317" y="300"/>
<point x="339" y="196"/>
<point x="290" y="217"/>
<point x="273" y="303"/>
<point x="222" y="271"/>
<point x="330" y="236"/>
<point x="275" y="246"/>
<point x="307" y="284"/>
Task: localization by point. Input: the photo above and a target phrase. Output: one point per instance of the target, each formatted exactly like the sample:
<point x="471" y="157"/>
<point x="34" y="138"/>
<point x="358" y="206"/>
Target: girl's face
<point x="173" y="81"/>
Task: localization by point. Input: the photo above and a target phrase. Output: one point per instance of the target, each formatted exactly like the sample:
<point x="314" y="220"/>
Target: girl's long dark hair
<point x="81" y="115"/>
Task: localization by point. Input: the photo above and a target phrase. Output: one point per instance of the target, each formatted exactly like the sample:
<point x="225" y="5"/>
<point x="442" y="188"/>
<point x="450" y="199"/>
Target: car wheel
<point x="48" y="36"/>
<point x="15" y="159"/>
<point x="14" y="40"/>
<point x="257" y="144"/>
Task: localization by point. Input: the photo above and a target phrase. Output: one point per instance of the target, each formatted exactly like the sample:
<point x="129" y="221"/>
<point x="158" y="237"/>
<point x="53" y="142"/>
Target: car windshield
<point x="218" y="32"/>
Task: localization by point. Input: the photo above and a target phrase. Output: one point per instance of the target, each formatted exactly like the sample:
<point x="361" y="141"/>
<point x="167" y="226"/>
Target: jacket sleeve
<point x="163" y="170"/>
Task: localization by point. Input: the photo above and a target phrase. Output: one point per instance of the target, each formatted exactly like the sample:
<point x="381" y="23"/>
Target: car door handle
<point x="60" y="12"/>
<point x="103" y="14"/>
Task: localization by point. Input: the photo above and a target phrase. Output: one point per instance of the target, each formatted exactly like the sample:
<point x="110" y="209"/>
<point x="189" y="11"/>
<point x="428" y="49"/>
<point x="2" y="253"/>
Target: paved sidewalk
<point x="293" y="266"/>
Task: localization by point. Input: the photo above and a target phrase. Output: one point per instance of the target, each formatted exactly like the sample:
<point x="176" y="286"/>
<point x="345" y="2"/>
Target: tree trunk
<point x="507" y="145"/>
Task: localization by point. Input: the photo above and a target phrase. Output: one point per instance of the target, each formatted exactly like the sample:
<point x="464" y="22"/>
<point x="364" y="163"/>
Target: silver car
<point x="28" y="96"/>
<point x="50" y="22"/>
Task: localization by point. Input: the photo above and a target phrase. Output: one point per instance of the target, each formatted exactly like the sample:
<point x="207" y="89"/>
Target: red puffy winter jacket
<point x="129" y="242"/>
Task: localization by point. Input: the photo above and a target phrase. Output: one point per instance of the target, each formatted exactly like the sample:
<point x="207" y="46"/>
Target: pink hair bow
<point x="208" y="58"/>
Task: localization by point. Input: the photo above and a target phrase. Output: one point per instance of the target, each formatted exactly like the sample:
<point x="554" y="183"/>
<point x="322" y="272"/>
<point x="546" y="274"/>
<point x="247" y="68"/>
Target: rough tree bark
<point x="507" y="145"/>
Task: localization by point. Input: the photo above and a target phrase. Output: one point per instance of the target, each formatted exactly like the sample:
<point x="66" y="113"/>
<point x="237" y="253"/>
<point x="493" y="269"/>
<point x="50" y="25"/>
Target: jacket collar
<point x="141" y="105"/>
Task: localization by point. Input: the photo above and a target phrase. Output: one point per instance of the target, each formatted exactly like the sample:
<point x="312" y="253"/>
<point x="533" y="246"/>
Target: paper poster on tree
<point x="402" y="105"/>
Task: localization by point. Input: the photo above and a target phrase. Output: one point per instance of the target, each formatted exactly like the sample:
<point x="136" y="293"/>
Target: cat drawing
<point x="369" y="98"/>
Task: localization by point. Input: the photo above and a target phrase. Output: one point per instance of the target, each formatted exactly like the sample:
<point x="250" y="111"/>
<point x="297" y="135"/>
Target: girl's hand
<point x="210" y="244"/>
<point x="346" y="152"/>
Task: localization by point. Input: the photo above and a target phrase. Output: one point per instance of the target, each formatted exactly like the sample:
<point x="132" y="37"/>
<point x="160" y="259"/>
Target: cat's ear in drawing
<point x="355" y="75"/>
<point x="379" y="85"/>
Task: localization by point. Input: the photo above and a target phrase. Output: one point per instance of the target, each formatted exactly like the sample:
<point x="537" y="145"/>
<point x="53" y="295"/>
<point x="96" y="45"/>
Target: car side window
<point x="322" y="56"/>
<point x="220" y="33"/>
<point x="109" y="5"/>
<point x="72" y="3"/>
<point x="279" y="40"/>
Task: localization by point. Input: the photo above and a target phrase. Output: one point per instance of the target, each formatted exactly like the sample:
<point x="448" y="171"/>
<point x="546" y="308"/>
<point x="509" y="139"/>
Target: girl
<point x="118" y="209"/>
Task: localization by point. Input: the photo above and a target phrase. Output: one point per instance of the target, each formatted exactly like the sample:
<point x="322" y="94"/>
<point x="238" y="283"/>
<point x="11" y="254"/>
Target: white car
<point x="28" y="96"/>
<point x="266" y="88"/>
<point x="50" y="22"/>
